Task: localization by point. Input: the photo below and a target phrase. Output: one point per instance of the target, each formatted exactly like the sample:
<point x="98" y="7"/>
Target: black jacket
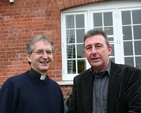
<point x="124" y="91"/>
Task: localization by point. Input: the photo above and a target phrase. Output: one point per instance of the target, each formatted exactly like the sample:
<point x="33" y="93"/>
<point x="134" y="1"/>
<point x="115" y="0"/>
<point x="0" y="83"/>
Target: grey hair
<point x="94" y="32"/>
<point x="30" y="45"/>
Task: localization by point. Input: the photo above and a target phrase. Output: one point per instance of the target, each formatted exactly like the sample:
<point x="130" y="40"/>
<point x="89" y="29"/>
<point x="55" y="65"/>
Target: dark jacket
<point x="124" y="91"/>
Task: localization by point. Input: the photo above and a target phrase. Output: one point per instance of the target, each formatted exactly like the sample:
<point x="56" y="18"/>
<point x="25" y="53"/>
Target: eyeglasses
<point x="42" y="52"/>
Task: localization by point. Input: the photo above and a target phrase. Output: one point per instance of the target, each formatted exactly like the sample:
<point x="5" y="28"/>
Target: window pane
<point x="97" y="19"/>
<point x="127" y="33"/>
<point x="126" y="17"/>
<point x="70" y="36"/>
<point x="71" y="66"/>
<point x="80" y="53"/>
<point x="138" y="62"/>
<point x="70" y="51"/>
<point x="98" y="28"/>
<point x="109" y="32"/>
<point x="137" y="32"/>
<point x="129" y="61"/>
<point x="80" y="35"/>
<point x="128" y="48"/>
<point x="138" y="48"/>
<point x="136" y="16"/>
<point x="108" y="21"/>
<point x="80" y="21"/>
<point x="70" y="21"/>
<point x="81" y="65"/>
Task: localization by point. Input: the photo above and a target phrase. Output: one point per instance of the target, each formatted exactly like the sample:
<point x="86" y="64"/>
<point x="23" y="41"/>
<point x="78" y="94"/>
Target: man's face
<point x="97" y="52"/>
<point x="42" y="57"/>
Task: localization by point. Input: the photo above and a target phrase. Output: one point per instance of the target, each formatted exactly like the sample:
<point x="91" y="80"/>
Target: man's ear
<point x="110" y="50"/>
<point x="29" y="57"/>
<point x="84" y="51"/>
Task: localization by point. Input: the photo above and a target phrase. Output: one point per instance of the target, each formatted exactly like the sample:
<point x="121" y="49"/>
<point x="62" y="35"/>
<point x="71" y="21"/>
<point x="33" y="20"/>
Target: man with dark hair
<point x="33" y="91"/>
<point x="106" y="87"/>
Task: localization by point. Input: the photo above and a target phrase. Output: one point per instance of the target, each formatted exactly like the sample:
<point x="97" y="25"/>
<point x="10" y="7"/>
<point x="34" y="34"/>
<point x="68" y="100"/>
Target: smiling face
<point x="97" y="52"/>
<point x="42" y="57"/>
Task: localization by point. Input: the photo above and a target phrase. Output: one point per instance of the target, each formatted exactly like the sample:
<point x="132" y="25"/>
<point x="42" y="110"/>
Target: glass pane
<point x="81" y="65"/>
<point x="138" y="48"/>
<point x="80" y="53"/>
<point x="138" y="62"/>
<point x="98" y="28"/>
<point x="108" y="20"/>
<point x="129" y="61"/>
<point x="70" y="51"/>
<point x="128" y="48"/>
<point x="97" y="19"/>
<point x="127" y="33"/>
<point x="113" y="52"/>
<point x="70" y="21"/>
<point x="70" y="36"/>
<point x="80" y="35"/>
<point x="109" y="32"/>
<point x="137" y="32"/>
<point x="136" y="16"/>
<point x="80" y="21"/>
<point x="71" y="66"/>
<point x="126" y="17"/>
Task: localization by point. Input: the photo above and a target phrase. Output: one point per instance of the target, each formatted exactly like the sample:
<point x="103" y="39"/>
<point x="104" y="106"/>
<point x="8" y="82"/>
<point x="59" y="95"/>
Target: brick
<point x="21" y="21"/>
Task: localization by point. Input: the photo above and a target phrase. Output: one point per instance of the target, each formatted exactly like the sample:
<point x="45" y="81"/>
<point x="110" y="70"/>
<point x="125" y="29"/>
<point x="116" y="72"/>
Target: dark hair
<point x="94" y="32"/>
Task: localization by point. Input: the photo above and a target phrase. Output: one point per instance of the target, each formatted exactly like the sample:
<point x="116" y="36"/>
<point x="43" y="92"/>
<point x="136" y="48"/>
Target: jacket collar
<point x="87" y="89"/>
<point x="113" y="88"/>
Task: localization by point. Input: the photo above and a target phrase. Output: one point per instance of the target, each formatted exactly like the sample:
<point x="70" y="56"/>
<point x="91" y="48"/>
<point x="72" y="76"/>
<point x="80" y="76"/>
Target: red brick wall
<point x="21" y="21"/>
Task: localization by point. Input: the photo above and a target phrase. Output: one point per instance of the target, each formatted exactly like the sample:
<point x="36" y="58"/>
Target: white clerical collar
<point x="42" y="77"/>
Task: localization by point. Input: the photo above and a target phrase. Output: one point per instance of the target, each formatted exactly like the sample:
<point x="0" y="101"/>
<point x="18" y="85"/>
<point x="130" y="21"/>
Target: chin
<point x="44" y="69"/>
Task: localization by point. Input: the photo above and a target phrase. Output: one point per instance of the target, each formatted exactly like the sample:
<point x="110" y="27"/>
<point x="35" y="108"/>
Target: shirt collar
<point x="37" y="75"/>
<point x="108" y="69"/>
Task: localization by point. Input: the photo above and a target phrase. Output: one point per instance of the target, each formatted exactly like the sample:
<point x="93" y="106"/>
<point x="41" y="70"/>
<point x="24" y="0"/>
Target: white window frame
<point x="63" y="41"/>
<point x="115" y="7"/>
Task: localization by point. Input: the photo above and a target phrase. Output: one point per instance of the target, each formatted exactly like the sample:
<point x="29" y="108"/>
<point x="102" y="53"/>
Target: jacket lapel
<point x="113" y="88"/>
<point x="87" y="87"/>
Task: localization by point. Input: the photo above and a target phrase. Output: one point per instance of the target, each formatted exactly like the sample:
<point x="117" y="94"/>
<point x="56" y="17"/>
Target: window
<point x="120" y="20"/>
<point x="131" y="40"/>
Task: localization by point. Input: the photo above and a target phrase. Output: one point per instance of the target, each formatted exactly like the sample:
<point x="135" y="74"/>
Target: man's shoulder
<point x="18" y="76"/>
<point x="15" y="78"/>
<point x="13" y="81"/>
<point x="83" y="74"/>
<point x="126" y="68"/>
<point x="53" y="82"/>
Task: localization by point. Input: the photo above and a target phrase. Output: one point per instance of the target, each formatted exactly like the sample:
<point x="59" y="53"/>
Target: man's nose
<point x="45" y="55"/>
<point x="93" y="50"/>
